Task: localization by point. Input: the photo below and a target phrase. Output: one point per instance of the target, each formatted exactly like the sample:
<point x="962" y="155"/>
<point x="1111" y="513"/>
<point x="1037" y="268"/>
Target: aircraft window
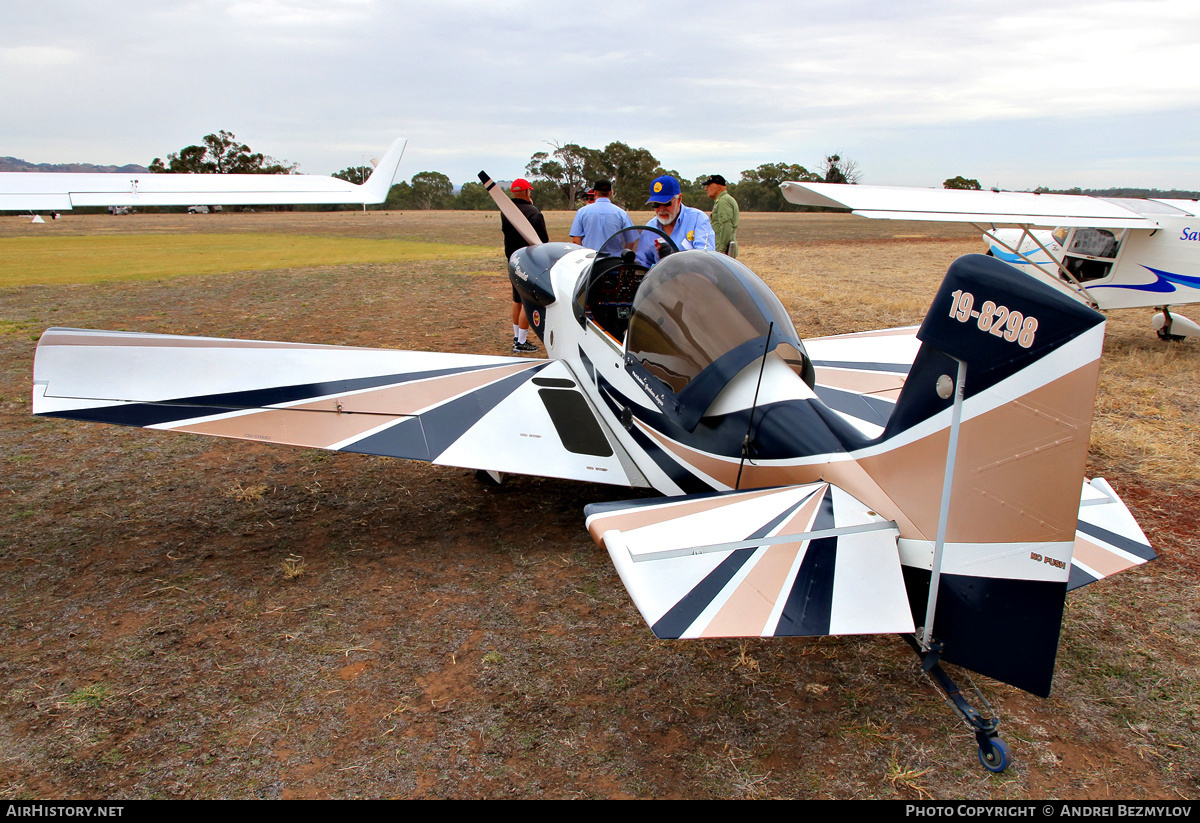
<point x="1091" y="254"/>
<point x="1093" y="243"/>
<point x="1084" y="270"/>
<point x="1060" y="235"/>
<point x="699" y="318"/>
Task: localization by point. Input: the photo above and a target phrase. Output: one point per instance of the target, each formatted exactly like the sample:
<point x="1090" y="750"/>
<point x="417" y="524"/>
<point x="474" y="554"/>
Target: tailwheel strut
<point x="993" y="752"/>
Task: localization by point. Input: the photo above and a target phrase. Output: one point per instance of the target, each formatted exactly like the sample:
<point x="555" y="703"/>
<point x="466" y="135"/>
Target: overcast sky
<point x="1016" y="94"/>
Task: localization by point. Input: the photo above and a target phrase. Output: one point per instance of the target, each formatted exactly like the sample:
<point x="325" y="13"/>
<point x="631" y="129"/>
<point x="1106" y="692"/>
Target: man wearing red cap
<point x="522" y="197"/>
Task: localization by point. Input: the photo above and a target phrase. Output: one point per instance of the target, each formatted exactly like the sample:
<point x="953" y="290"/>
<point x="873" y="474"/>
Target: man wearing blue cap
<point x="688" y="227"/>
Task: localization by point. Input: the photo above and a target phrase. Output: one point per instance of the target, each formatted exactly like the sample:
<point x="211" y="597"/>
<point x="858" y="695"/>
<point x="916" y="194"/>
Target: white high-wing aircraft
<point x="923" y="481"/>
<point x="41" y="191"/>
<point x="1111" y="253"/>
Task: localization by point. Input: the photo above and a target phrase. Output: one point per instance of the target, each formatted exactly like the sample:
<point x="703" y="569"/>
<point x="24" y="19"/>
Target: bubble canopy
<point x="698" y="319"/>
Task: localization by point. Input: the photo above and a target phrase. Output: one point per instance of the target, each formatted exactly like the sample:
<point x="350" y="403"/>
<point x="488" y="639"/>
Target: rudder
<point x="1031" y="358"/>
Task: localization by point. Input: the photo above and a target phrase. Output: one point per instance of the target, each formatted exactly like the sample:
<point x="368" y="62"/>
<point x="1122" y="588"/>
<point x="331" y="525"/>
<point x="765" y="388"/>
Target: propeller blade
<point x="509" y="209"/>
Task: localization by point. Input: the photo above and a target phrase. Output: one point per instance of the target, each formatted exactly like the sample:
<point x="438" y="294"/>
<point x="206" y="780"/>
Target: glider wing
<point x="29" y="191"/>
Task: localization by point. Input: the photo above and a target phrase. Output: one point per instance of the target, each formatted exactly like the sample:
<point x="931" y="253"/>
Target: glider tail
<point x="377" y="186"/>
<point x="998" y="407"/>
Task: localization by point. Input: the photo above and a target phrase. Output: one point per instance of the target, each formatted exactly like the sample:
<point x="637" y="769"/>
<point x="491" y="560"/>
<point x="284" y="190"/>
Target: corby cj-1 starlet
<point x="926" y="481"/>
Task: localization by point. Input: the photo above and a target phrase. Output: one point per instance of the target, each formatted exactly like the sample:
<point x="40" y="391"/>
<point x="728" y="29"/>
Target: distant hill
<point x="16" y="164"/>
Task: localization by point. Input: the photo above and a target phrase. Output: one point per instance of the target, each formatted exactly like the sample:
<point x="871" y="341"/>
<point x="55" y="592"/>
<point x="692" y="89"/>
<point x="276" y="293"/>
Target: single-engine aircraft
<point x="1109" y="252"/>
<point x="34" y="191"/>
<point x="922" y="481"/>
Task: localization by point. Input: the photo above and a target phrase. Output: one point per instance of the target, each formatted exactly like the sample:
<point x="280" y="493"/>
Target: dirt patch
<point x="189" y="617"/>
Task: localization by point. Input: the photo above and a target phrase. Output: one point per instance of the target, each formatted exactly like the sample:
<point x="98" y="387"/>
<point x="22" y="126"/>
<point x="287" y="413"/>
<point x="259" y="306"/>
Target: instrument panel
<point x="610" y="296"/>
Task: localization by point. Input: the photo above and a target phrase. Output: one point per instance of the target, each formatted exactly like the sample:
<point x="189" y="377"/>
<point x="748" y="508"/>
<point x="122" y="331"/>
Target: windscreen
<point x="696" y="309"/>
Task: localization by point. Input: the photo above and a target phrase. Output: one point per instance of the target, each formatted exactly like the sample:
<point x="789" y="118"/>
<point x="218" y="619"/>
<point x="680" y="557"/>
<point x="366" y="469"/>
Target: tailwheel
<point x="994" y="754"/>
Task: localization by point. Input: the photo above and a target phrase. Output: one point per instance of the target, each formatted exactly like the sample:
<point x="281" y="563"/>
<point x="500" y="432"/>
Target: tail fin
<point x="1031" y="358"/>
<point x="377" y="186"/>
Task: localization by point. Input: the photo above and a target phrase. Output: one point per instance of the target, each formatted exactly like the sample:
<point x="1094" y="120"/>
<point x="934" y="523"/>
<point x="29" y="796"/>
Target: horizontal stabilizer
<point x="794" y="561"/>
<point x="1107" y="540"/>
<point x="860" y="375"/>
<point x="504" y="414"/>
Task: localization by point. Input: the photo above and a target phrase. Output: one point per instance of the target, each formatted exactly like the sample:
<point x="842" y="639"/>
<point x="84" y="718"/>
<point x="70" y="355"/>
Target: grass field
<point x="192" y="617"/>
<point x="78" y="259"/>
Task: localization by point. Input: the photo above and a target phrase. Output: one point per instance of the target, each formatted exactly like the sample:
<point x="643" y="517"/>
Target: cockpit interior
<point x="687" y="325"/>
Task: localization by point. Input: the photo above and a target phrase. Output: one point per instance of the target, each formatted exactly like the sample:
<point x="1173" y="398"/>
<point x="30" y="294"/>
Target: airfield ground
<point x="190" y="617"/>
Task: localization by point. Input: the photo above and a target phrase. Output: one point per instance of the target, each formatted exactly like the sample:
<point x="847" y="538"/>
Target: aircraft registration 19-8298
<point x="926" y="481"/>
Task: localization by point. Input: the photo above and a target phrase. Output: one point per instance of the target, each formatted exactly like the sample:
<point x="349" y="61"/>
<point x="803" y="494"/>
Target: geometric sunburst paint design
<point x="802" y="560"/>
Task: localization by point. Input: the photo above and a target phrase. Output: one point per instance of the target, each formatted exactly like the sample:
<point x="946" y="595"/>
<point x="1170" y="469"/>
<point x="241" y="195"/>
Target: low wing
<point x="503" y="414"/>
<point x="860" y="375"/>
<point x="29" y="191"/>
<point x="962" y="206"/>
<point x="795" y="561"/>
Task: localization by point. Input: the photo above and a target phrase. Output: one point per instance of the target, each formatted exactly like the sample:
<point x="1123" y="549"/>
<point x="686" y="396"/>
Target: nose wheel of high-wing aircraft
<point x="1174" y="326"/>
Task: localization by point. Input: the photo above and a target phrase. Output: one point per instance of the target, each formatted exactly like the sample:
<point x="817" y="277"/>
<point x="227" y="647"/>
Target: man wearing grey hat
<point x="725" y="214"/>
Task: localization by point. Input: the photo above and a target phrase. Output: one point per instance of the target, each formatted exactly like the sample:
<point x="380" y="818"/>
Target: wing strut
<point x="927" y="641"/>
<point x="1066" y="273"/>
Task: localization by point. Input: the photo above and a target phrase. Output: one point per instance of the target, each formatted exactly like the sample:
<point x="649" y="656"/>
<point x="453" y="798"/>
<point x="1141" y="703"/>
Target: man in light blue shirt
<point x="688" y="227"/>
<point x="599" y="221"/>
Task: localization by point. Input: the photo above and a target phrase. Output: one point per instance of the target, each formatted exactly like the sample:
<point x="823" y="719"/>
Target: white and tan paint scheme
<point x="926" y="480"/>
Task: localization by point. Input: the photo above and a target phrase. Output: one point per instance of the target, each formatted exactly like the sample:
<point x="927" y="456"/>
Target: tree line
<point x="560" y="177"/>
<point x="219" y="153"/>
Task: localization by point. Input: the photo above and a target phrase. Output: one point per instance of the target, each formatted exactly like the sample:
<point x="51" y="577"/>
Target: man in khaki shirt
<point x="724" y="216"/>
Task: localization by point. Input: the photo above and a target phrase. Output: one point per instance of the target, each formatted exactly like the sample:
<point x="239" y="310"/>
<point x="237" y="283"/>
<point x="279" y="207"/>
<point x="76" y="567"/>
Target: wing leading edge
<point x="961" y="206"/>
<point x="502" y="414"/>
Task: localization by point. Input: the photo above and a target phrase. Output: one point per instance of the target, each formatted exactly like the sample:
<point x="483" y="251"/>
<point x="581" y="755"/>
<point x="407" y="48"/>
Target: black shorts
<point x="516" y="297"/>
